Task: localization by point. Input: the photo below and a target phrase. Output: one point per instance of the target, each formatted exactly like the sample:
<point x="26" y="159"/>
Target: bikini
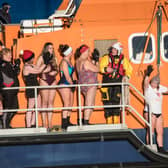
<point x="49" y="79"/>
<point x="156" y="115"/>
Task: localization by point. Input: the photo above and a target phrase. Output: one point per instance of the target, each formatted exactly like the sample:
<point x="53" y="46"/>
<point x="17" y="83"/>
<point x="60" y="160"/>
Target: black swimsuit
<point x="147" y="111"/>
<point x="31" y="80"/>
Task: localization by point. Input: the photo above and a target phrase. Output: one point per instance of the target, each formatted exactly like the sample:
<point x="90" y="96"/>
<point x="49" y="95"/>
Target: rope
<point x="157" y="13"/>
<point x="159" y="33"/>
<point x="146" y="43"/>
<point x="141" y="42"/>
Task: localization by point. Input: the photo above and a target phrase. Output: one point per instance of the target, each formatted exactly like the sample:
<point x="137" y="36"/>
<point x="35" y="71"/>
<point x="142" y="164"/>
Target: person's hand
<point x="47" y="57"/>
<point x="109" y="70"/>
<point x="73" y="88"/>
<point x="95" y="55"/>
<point x="1" y="44"/>
<point x="17" y="62"/>
<point x="149" y="70"/>
<point x="17" y="65"/>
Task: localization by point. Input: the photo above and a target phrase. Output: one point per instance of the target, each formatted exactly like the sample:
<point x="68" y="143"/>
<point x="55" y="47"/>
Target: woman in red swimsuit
<point x="48" y="78"/>
<point x="87" y="71"/>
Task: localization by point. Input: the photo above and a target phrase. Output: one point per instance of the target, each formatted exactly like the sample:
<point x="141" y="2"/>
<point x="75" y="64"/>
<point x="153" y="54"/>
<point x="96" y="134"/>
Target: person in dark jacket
<point x="5" y="17"/>
<point x="1" y="105"/>
<point x="9" y="73"/>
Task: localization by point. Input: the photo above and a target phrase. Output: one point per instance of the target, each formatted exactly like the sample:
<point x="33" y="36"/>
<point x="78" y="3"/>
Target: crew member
<point x="9" y="73"/>
<point x="114" y="66"/>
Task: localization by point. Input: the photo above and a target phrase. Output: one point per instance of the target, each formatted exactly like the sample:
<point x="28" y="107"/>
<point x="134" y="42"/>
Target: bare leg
<point x="159" y="131"/>
<point x="89" y="101"/>
<point x="33" y="121"/>
<point x="44" y="103"/>
<point x="65" y="95"/>
<point x="153" y="124"/>
<point x="71" y="105"/>
<point x="146" y="114"/>
<point x="29" y="114"/>
<point x="51" y="98"/>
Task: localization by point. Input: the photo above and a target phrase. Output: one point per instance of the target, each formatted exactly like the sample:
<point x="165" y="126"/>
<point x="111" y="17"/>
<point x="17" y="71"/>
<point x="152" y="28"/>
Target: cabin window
<point x="136" y="45"/>
<point x="164" y="46"/>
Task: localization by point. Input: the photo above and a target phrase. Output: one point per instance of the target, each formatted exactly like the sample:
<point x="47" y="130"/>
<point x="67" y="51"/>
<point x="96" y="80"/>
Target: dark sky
<point x="31" y="9"/>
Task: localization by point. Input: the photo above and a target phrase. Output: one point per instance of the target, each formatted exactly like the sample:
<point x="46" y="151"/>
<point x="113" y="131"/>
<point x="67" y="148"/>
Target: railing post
<point x="123" y="103"/>
<point x="36" y="106"/>
<point x="80" y="108"/>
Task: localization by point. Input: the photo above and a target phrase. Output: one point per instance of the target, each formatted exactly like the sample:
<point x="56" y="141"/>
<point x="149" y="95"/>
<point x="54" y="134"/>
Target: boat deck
<point x="88" y="145"/>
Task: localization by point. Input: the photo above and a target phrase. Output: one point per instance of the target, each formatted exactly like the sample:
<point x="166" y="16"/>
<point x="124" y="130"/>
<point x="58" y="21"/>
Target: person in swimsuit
<point x="48" y="78"/>
<point x="30" y="72"/>
<point x="66" y="78"/>
<point x="153" y="102"/>
<point x="87" y="71"/>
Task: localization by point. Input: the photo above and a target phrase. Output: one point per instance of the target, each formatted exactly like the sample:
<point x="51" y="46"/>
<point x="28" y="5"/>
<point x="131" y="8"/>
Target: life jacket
<point x="116" y="62"/>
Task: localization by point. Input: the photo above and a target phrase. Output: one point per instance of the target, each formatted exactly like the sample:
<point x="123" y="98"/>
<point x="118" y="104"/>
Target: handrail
<point x="137" y="90"/>
<point x="80" y="107"/>
<point x="149" y="124"/>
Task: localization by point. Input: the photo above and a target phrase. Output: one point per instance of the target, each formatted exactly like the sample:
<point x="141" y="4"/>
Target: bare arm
<point x="74" y="76"/>
<point x="53" y="73"/>
<point x="90" y="66"/>
<point x="64" y="68"/>
<point x="146" y="82"/>
<point x="47" y="69"/>
<point x="33" y="69"/>
<point x="148" y="71"/>
<point x="40" y="63"/>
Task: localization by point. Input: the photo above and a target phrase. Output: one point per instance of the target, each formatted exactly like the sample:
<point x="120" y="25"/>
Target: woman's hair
<point x="78" y="51"/>
<point x="54" y="59"/>
<point x="62" y="48"/>
<point x="4" y="51"/>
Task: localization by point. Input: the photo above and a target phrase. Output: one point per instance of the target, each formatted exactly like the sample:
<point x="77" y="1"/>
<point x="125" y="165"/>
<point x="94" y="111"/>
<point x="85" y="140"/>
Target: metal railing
<point x="80" y="107"/>
<point x="148" y="123"/>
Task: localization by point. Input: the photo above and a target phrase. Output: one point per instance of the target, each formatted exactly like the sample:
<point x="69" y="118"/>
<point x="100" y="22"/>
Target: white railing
<point x="148" y="123"/>
<point x="80" y="107"/>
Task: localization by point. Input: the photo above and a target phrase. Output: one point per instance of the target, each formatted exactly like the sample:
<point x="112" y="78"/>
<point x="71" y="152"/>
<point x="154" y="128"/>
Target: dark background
<point x="31" y="9"/>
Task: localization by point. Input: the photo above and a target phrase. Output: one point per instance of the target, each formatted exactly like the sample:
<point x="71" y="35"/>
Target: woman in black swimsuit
<point x="30" y="72"/>
<point x="48" y="78"/>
